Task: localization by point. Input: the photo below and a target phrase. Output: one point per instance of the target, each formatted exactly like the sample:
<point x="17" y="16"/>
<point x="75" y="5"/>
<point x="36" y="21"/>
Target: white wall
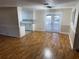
<point x="66" y="14"/>
<point x="34" y="17"/>
<point x="73" y="27"/>
<point x="66" y="18"/>
<point x="21" y="27"/>
<point x="27" y="13"/>
<point x="39" y="20"/>
<point x="65" y="21"/>
<point x="9" y="21"/>
<point x="24" y="14"/>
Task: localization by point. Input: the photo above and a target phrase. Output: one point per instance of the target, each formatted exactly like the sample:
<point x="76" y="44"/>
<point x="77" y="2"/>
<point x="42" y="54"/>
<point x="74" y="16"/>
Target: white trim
<point x="70" y="42"/>
<point x="64" y="33"/>
<point x="5" y="34"/>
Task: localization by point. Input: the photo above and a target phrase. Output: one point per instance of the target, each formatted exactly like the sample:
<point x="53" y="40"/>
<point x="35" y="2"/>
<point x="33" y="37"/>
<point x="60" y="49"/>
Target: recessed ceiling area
<point x="37" y="3"/>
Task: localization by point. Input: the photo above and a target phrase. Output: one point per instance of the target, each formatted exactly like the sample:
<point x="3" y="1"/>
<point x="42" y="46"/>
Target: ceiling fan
<point x="49" y="3"/>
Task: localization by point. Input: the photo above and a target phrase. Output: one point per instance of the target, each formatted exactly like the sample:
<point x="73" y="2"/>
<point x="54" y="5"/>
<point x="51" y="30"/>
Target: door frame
<point x="60" y="13"/>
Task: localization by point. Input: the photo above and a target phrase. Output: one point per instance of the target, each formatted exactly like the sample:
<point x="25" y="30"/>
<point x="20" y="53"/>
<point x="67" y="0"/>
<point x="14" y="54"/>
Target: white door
<point x="53" y="23"/>
<point x="48" y="23"/>
<point x="56" y="23"/>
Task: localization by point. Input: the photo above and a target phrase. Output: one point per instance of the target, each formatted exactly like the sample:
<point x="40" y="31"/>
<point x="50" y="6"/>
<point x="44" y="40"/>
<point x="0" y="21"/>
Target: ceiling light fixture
<point x="45" y="3"/>
<point x="49" y="3"/>
<point x="49" y="6"/>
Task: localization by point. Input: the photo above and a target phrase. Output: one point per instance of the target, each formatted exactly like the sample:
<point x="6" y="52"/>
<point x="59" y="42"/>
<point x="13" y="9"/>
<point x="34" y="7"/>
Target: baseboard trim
<point x="70" y="42"/>
<point x="53" y="32"/>
<point x="64" y="33"/>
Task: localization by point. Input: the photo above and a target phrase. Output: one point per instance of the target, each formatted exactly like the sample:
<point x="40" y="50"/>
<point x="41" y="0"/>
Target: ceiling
<point x="37" y="3"/>
<point x="56" y="1"/>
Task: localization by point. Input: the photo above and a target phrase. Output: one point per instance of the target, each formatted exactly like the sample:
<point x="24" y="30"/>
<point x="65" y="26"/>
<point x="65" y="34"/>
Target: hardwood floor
<point x="37" y="45"/>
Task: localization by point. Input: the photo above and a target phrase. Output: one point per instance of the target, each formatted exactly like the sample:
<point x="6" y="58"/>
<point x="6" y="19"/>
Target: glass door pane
<point x="53" y="23"/>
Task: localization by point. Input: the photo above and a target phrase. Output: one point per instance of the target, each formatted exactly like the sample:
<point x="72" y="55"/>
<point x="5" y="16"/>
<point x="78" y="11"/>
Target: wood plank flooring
<point x="37" y="45"/>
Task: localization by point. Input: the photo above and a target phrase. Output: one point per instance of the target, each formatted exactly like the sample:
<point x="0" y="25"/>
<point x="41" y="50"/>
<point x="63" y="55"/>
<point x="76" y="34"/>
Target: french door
<point x="53" y="22"/>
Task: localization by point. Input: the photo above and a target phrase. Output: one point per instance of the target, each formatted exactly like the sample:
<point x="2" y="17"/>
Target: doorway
<point x="53" y="23"/>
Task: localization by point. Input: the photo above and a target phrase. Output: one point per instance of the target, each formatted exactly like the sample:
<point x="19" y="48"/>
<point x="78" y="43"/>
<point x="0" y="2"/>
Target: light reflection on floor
<point x="55" y="38"/>
<point x="48" y="53"/>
